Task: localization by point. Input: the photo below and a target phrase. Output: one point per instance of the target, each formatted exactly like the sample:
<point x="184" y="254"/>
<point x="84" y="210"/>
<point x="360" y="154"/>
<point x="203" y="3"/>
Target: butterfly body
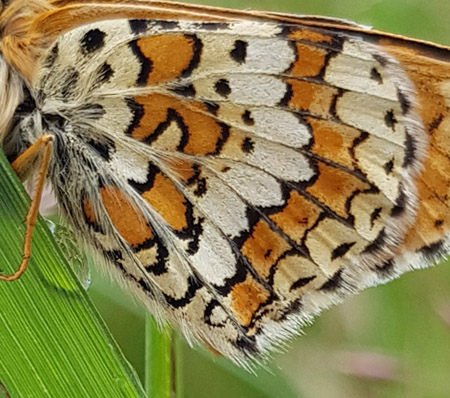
<point x="238" y="172"/>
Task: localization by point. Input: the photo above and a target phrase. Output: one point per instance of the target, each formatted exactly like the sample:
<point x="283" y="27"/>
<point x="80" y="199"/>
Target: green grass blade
<point x="52" y="342"/>
<point x="179" y="374"/>
<point x="160" y="360"/>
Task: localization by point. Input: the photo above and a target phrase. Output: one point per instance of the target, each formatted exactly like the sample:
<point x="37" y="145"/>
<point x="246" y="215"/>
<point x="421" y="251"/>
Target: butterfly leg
<point x="42" y="150"/>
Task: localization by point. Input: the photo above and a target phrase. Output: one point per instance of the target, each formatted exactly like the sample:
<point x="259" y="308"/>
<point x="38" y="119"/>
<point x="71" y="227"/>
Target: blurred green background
<point x="391" y="341"/>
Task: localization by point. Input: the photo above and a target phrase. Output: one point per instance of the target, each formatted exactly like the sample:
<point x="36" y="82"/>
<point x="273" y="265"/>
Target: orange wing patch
<point x="314" y="98"/>
<point x="263" y="248"/>
<point x="165" y="198"/>
<point x="127" y="219"/>
<point x="246" y="298"/>
<point x="193" y="130"/>
<point x="170" y="56"/>
<point x="182" y="169"/>
<point x="335" y="187"/>
<point x="310" y="61"/>
<point x="333" y="141"/>
<point x="309" y="35"/>
<point x="297" y="217"/>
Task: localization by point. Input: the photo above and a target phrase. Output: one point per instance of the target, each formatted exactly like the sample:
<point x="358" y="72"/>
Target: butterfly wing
<point x="238" y="174"/>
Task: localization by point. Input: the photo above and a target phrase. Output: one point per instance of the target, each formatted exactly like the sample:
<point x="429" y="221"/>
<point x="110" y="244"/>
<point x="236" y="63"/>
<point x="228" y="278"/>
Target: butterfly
<point x="237" y="171"/>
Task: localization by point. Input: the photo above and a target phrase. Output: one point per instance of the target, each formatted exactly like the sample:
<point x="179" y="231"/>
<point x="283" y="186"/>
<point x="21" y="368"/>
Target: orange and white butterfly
<point x="237" y="171"/>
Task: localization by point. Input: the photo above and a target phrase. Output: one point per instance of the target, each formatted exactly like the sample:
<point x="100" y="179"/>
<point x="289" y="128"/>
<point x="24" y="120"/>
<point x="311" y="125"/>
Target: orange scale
<point x="155" y="108"/>
<point x="263" y="248"/>
<point x="204" y="131"/>
<point x="430" y="75"/>
<point x="297" y="217"/>
<point x="182" y="169"/>
<point x="88" y="211"/>
<point x="310" y="61"/>
<point x="311" y="97"/>
<point x="441" y="137"/>
<point x="309" y="35"/>
<point x="432" y="221"/>
<point x="433" y="218"/>
<point x="125" y="216"/>
<point x="334" y="187"/>
<point x="165" y="198"/>
<point x="246" y="298"/>
<point x="170" y="55"/>
<point x="333" y="141"/>
<point x="436" y="174"/>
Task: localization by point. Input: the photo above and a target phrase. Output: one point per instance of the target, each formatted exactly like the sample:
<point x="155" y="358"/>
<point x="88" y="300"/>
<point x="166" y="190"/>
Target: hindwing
<point x="238" y="172"/>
